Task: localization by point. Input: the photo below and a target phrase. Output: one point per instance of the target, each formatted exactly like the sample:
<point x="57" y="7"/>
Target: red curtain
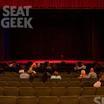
<point x="91" y="4"/>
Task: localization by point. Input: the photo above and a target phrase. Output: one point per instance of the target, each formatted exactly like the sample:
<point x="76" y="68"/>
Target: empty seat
<point x="7" y="100"/>
<point x="58" y="91"/>
<point x="42" y="91"/>
<point x="14" y="74"/>
<point x="48" y="100"/>
<point x="37" y="79"/>
<point x="1" y="91"/>
<point x="5" y="78"/>
<point x="87" y="100"/>
<point x="11" y="74"/>
<point x="75" y="78"/>
<point x="86" y="83"/>
<point x="51" y="84"/>
<point x="62" y="83"/>
<point x="25" y="84"/>
<point x="38" y="84"/>
<point x="69" y="100"/>
<point x="26" y="91"/>
<point x="100" y="91"/>
<point x="88" y="91"/>
<point x="3" y="83"/>
<point x="27" y="100"/>
<point x="66" y="79"/>
<point x="75" y="83"/>
<point x="10" y="91"/>
<point x="74" y="91"/>
<point x="13" y="83"/>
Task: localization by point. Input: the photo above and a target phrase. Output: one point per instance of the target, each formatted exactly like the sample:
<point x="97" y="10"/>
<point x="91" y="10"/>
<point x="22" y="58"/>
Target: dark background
<point x="57" y="34"/>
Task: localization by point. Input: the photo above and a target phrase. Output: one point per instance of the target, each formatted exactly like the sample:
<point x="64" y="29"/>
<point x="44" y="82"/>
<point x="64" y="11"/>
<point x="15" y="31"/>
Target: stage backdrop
<point x="62" y="29"/>
<point x="58" y="34"/>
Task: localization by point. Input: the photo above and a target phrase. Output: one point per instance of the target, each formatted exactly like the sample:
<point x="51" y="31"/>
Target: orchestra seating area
<point x="69" y="90"/>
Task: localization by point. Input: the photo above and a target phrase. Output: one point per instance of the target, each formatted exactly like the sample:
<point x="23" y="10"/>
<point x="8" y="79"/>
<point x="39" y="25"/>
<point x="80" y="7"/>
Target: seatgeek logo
<point x="16" y="17"/>
<point x="99" y="100"/>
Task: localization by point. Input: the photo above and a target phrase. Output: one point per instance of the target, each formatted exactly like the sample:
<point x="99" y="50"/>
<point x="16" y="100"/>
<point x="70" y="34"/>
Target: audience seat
<point x="42" y="91"/>
<point x="58" y="91"/>
<point x="48" y="100"/>
<point x="62" y="84"/>
<point x="25" y="84"/>
<point x="50" y="84"/>
<point x="75" y="83"/>
<point x="3" y="83"/>
<point x="10" y="91"/>
<point x="68" y="100"/>
<point x="1" y="91"/>
<point x="27" y="100"/>
<point x="13" y="83"/>
<point x="100" y="91"/>
<point x="74" y="91"/>
<point x="26" y="91"/>
<point x="38" y="84"/>
<point x="7" y="99"/>
<point x="87" y="100"/>
<point x="88" y="91"/>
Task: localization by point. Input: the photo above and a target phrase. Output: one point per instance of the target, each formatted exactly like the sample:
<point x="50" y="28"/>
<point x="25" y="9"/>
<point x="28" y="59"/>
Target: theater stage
<point x="55" y="61"/>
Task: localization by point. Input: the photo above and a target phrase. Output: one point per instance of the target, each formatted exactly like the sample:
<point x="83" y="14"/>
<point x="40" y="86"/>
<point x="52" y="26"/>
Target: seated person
<point x="32" y="69"/>
<point x="83" y="74"/>
<point x="56" y="75"/>
<point x="101" y="78"/>
<point x="92" y="74"/>
<point x="79" y="66"/>
<point x="24" y="75"/>
<point x="97" y="84"/>
<point x="49" y="68"/>
<point x="45" y="76"/>
<point x="22" y="68"/>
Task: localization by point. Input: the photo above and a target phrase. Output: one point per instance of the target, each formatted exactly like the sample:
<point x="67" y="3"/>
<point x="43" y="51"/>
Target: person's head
<point x="22" y="66"/>
<point x="33" y="65"/>
<point x="83" y="72"/>
<point x="79" y="64"/>
<point x="38" y="64"/>
<point x="92" y="69"/>
<point x="56" y="73"/>
<point x="48" y="64"/>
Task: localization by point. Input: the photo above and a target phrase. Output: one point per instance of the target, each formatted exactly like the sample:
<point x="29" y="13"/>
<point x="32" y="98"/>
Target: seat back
<point x="58" y="91"/>
<point x="10" y="91"/>
<point x="100" y="91"/>
<point x="74" y="91"/>
<point x="87" y="100"/>
<point x="48" y="100"/>
<point x="26" y="91"/>
<point x="42" y="91"/>
<point x="7" y="99"/>
<point x="27" y="100"/>
<point x="89" y="91"/>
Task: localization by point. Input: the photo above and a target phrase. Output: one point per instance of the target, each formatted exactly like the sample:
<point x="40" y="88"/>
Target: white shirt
<point x="24" y="76"/>
<point x="21" y="71"/>
<point x="92" y="75"/>
<point x="80" y="67"/>
<point x="56" y="77"/>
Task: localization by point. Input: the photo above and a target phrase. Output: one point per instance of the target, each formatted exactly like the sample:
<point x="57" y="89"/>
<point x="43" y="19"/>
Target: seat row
<point x="50" y="100"/>
<point x="47" y="91"/>
<point x="48" y="83"/>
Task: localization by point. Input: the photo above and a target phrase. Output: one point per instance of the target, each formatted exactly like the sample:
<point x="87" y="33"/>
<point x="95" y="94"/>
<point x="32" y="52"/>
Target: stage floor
<point x="54" y="61"/>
